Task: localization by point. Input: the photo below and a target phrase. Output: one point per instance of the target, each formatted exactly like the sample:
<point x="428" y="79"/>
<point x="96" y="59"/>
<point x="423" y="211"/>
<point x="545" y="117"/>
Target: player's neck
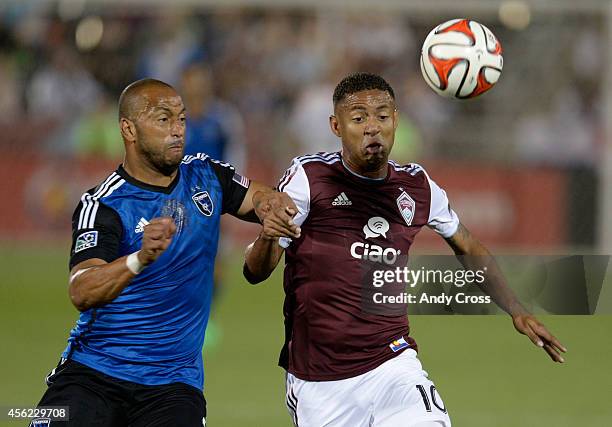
<point x="147" y="173"/>
<point x="378" y="173"/>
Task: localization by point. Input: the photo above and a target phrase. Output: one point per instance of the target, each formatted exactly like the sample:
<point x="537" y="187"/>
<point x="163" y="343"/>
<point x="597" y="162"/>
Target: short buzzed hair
<point x="130" y="96"/>
<point x="357" y="82"/>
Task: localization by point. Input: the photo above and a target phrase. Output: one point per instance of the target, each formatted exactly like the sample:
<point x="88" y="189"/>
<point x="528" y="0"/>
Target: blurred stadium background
<point x="528" y="167"/>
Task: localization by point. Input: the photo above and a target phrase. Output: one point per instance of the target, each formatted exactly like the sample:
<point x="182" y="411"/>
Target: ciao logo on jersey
<point x="376" y="226"/>
<point x="203" y="202"/>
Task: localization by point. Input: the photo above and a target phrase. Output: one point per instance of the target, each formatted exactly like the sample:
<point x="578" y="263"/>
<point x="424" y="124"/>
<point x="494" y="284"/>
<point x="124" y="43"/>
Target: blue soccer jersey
<point x="153" y="332"/>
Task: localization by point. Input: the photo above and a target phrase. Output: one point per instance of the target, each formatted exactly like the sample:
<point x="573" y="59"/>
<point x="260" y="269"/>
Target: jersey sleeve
<point x="233" y="185"/>
<point x="442" y="219"/>
<point x="102" y="240"/>
<point x="295" y="183"/>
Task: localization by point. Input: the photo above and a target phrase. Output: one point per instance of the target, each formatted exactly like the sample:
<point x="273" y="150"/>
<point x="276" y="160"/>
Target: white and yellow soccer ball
<point x="461" y="59"/>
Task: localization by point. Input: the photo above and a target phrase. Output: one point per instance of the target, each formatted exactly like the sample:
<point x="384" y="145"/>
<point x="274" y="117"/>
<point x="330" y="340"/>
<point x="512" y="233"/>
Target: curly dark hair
<point x="356" y="82"/>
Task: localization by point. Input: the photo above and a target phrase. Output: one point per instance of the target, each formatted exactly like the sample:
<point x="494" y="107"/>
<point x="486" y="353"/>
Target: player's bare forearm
<point x="474" y="255"/>
<point x="95" y="282"/>
<point x="261" y="258"/>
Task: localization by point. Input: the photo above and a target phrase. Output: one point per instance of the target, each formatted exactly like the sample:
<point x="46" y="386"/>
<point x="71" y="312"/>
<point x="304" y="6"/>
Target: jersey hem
<point x="128" y="378"/>
<point x="345" y="376"/>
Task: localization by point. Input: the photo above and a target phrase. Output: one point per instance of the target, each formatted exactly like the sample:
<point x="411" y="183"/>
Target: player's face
<point x="160" y="127"/>
<point x="366" y="123"/>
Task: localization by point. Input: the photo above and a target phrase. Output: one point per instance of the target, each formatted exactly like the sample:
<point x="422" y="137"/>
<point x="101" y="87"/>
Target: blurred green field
<point x="487" y="374"/>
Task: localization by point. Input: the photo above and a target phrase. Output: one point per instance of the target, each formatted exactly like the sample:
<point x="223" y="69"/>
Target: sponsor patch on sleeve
<point x="86" y="240"/>
<point x="241" y="180"/>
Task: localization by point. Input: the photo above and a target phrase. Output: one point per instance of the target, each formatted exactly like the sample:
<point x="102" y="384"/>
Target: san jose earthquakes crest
<point x="406" y="207"/>
<point x="203" y="202"/>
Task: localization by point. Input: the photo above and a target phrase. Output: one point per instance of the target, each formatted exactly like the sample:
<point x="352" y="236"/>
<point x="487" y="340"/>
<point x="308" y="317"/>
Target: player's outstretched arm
<point x="95" y="282"/>
<point x="262" y="256"/>
<point x="269" y="207"/>
<point x="474" y="255"/>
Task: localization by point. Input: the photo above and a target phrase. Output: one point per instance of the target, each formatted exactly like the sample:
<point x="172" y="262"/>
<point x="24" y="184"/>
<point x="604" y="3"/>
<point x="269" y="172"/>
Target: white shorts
<point x="395" y="394"/>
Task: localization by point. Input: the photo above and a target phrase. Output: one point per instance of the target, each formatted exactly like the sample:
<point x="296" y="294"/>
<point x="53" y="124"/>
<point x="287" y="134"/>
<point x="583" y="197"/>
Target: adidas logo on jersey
<point x="141" y="225"/>
<point x="342" y="200"/>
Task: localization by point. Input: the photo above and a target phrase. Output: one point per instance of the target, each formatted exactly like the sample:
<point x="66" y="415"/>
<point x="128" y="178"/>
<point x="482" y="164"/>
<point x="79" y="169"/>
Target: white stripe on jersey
<point x="189" y="158"/>
<point x="86" y="198"/>
<point x="411" y="168"/>
<point x="88" y="203"/>
<point x="322" y="155"/>
<point x="91" y="203"/>
<point x="94" y="210"/>
<point x="202" y="156"/>
<point x="327" y="158"/>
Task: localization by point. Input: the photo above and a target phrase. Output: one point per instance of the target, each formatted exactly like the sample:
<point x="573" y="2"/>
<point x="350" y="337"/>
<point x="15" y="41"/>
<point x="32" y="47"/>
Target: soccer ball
<point x="461" y="59"/>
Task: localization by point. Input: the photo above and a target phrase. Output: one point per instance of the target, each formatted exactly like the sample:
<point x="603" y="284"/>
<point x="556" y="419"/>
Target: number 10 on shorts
<point x="435" y="397"/>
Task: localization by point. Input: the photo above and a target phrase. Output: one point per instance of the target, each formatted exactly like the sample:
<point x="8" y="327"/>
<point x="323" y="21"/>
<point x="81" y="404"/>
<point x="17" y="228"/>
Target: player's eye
<point x="162" y="119"/>
<point x="358" y="119"/>
<point x="383" y="117"/>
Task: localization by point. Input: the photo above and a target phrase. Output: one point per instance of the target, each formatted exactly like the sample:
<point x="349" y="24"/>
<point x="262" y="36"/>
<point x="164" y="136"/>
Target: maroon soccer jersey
<point x="349" y="222"/>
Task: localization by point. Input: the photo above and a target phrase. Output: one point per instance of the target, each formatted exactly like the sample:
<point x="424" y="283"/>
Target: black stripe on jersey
<point x="289" y="173"/>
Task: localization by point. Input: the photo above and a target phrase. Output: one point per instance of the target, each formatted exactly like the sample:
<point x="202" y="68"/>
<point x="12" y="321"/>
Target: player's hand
<point x="528" y="325"/>
<point x="276" y="211"/>
<point x="156" y="238"/>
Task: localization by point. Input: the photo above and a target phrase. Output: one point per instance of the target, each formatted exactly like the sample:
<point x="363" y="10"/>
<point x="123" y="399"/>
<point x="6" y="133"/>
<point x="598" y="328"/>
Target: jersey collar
<point x="158" y="189"/>
<point x="365" y="178"/>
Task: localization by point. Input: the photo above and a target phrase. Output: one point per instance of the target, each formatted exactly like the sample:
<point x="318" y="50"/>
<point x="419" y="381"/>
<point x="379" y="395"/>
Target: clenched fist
<point x="156" y="238"/>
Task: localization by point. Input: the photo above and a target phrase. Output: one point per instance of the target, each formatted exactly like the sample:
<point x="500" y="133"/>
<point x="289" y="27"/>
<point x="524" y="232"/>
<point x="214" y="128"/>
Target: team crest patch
<point x="397" y="345"/>
<point x="203" y="202"/>
<point x="40" y="422"/>
<point x="406" y="207"/>
<point x="86" y="240"/>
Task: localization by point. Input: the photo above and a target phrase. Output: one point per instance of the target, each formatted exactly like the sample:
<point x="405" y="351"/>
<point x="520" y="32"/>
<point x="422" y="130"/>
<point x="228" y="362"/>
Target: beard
<point x="161" y="161"/>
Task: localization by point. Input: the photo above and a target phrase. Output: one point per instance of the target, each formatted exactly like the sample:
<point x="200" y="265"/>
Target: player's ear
<point x="333" y="124"/>
<point x="395" y="118"/>
<point x="128" y="130"/>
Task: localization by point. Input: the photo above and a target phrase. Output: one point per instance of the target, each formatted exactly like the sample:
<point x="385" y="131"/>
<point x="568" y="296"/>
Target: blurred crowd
<point x="258" y="83"/>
